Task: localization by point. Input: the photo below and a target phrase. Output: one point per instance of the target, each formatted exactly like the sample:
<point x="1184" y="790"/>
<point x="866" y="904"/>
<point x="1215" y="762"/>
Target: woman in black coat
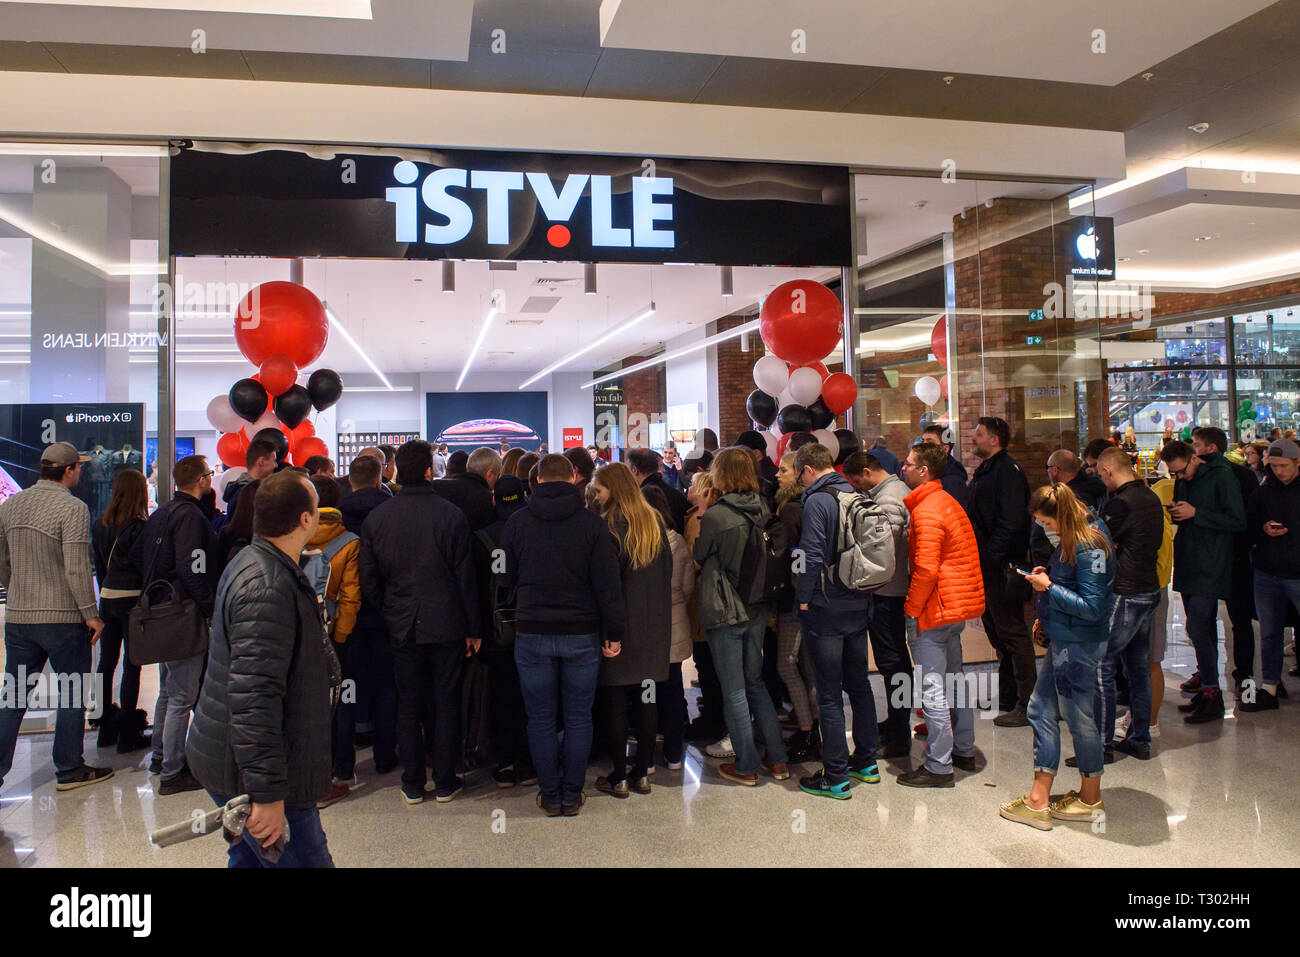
<point x="627" y="679"/>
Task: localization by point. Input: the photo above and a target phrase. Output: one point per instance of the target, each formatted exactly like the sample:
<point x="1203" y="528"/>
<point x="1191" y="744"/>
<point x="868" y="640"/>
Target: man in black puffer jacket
<point x="417" y="566"/>
<point x="262" y="725"/>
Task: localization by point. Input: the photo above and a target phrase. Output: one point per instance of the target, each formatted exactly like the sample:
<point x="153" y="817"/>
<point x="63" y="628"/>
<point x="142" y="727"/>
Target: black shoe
<point x="1108" y="757"/>
<point x="1128" y="747"/>
<point x="799" y="749"/>
<point x="1191" y="684"/>
<point x="1281" y="690"/>
<point x="571" y="810"/>
<point x="109" y="726"/>
<point x="526" y="775"/>
<point x="81" y="777"/>
<point x="963" y="762"/>
<point x="155" y="765"/>
<point x="1012" y="719"/>
<point x="895" y="749"/>
<point x="179" y="783"/>
<point x="1209" y="709"/>
<point x="1189" y="706"/>
<point x="700" y="730"/>
<point x="925" y="778"/>
<point x="505" y="778"/>
<point x="364" y="739"/>
<point x="134" y="733"/>
<point x="551" y="810"/>
<point x="444" y="797"/>
<point x="1263" y="702"/>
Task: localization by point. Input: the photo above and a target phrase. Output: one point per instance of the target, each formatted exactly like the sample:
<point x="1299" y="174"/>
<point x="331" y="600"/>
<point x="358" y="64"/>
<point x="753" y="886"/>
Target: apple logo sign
<point x="1087" y="244"/>
<point x="68" y="418"/>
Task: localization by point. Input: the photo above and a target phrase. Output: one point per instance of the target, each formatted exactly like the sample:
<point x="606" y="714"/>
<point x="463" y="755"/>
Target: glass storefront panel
<point x="79" y="344"/>
<point x="1267" y="338"/>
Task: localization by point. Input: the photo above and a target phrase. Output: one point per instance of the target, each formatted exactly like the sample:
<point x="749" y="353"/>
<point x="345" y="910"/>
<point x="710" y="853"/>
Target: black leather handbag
<point x="167" y="630"/>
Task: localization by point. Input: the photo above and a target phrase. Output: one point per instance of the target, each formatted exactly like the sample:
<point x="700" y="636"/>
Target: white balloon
<point x="226" y="477"/>
<point x="771" y="374"/>
<point x="773" y="429"/>
<point x="927" y="389"/>
<point x="222" y="416"/>
<point x="784" y="399"/>
<point x="827" y="438"/>
<point x="267" y="421"/>
<point x="772" y="442"/>
<point x="805" y="386"/>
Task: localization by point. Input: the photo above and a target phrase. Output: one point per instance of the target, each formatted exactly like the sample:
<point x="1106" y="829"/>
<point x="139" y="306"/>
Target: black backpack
<point x="765" y="564"/>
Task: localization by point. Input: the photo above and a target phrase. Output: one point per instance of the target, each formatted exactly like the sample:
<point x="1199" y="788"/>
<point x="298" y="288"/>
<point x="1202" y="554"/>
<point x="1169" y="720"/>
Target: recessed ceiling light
<point x="1199" y="127"/>
<point x="1202" y="239"/>
<point x="1125" y="259"/>
<point x="1143" y="252"/>
<point x="1148" y="75"/>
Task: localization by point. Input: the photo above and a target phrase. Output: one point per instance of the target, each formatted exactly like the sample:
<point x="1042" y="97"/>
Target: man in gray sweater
<point x="51" y="613"/>
<point x="888" y="631"/>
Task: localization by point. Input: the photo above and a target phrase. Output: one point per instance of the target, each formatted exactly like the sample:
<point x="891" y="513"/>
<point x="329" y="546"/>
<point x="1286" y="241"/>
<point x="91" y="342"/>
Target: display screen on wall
<point x="463" y="204"/>
<point x="184" y="447"/>
<point x="110" y="433"/>
<point x="468" y="420"/>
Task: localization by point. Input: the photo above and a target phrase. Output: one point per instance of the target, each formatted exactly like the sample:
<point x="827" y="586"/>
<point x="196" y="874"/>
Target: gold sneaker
<point x="1020" y="812"/>
<point x="1071" y="808"/>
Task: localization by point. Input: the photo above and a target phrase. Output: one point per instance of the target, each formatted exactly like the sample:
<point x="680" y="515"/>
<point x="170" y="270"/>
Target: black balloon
<point x="848" y="445"/>
<point x="761" y="407"/>
<point x="248" y="399"/>
<point x="821" y="416"/>
<point x="324" y="387"/>
<point x="276" y="438"/>
<point x="794" y="418"/>
<point x="292" y="407"/>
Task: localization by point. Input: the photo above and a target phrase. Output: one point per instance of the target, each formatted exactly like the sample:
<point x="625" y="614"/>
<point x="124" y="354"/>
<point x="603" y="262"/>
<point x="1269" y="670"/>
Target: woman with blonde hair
<point x="1074" y="608"/>
<point x="646" y="563"/>
<point x="805" y="745"/>
<point x="510" y="461"/>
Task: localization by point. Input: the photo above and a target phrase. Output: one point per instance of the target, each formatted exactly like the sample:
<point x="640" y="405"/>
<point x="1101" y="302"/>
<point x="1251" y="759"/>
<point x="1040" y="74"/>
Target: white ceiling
<point x="1013" y="38"/>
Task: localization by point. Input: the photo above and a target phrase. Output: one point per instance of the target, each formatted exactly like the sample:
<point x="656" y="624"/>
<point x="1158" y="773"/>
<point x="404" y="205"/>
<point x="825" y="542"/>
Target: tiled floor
<point x="1218" y="794"/>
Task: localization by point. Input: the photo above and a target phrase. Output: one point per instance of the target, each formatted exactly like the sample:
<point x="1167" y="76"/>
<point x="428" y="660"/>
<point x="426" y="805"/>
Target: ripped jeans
<point x="1067" y="686"/>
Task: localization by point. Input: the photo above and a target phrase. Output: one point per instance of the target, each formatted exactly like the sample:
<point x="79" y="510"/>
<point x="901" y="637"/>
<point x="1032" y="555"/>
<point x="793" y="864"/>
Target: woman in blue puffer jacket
<point x="1074" y="607"/>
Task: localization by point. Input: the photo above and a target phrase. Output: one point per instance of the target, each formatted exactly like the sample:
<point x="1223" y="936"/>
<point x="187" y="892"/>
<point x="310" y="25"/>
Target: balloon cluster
<point x="800" y="323"/>
<point x="280" y="327"/>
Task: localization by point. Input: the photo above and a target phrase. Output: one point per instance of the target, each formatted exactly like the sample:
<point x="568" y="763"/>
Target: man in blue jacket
<point x="835" y="623"/>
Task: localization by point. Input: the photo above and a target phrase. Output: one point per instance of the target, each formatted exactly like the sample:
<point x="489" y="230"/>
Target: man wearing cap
<point x="51" y="613"/>
<point x="1273" y="524"/>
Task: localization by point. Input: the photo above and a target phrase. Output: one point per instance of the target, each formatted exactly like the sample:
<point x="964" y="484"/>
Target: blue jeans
<point x="737" y="652"/>
<point x="306" y="847"/>
<point x="67" y="648"/>
<point x="837" y="644"/>
<point x="937" y="652"/>
<point x="1130" y="638"/>
<point x="1272" y="594"/>
<point x="555" y="671"/>
<point x="1203" y="630"/>
<point x="1067" y="686"/>
<point x="178" y="691"/>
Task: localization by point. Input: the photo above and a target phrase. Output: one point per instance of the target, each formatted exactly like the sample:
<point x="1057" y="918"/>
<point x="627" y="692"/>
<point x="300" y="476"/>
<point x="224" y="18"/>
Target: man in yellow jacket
<point x="343" y="592"/>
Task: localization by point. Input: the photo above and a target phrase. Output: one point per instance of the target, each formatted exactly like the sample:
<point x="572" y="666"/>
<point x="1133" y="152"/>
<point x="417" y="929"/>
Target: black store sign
<point x="501" y="205"/>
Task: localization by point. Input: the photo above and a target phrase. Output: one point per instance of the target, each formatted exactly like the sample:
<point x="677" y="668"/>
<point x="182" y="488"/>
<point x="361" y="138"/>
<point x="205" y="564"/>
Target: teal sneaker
<point x="869" y="773"/>
<point x="820" y="785"/>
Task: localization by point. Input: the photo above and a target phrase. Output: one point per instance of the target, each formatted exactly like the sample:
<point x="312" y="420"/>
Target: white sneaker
<point x="721" y="749"/>
<point x="1155" y="731"/>
<point x="1122" y="724"/>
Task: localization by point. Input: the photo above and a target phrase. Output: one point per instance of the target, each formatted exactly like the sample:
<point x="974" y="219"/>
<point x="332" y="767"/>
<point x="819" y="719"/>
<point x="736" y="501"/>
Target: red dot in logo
<point x="558" y="235"/>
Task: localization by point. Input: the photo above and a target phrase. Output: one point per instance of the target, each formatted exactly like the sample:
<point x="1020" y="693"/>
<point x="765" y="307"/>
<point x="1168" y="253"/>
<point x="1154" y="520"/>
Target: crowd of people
<point x="532" y="612"/>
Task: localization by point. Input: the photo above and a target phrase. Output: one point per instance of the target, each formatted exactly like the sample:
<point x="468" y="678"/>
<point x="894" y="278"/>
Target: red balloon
<point x="304" y="430"/>
<point x="939" y="341"/>
<point x="819" y="366"/>
<point x="308" y="447"/>
<point x="278" y="374"/>
<point x="839" y="392"/>
<point x="243" y="444"/>
<point x="800" y="321"/>
<point x="943" y="387"/>
<point x="230" y="450"/>
<point x="281" y="318"/>
<point x="781" y="443"/>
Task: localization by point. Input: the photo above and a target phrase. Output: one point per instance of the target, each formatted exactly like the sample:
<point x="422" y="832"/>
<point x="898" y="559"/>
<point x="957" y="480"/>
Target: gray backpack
<point x="863" y="546"/>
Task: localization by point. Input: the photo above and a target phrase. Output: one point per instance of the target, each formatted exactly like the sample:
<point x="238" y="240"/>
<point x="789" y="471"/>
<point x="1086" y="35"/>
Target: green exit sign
<point x="1033" y="340"/>
<point x="1036" y="315"/>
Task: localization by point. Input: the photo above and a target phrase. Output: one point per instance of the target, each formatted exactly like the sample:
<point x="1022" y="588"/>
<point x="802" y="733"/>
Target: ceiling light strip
<point x="334" y="321"/>
<point x="482" y="333"/>
<point x="645" y="313"/>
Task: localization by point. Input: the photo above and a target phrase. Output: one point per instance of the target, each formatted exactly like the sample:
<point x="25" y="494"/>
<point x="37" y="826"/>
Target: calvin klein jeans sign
<point x="498" y="205"/>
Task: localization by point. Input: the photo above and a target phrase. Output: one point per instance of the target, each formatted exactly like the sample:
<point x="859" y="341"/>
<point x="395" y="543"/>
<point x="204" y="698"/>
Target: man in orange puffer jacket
<point x="946" y="590"/>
